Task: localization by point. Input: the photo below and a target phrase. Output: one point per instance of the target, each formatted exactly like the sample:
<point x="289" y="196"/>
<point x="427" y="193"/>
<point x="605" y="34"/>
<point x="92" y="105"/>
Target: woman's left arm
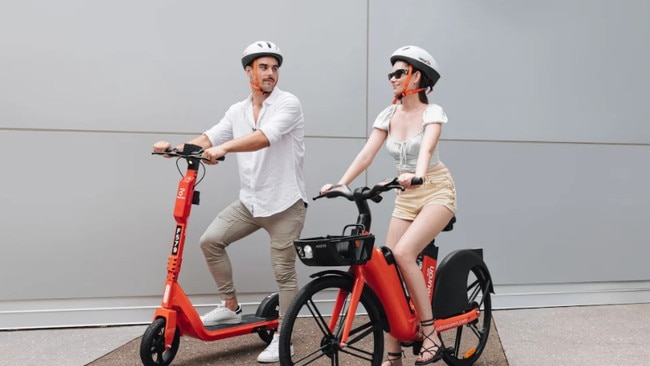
<point x="429" y="141"/>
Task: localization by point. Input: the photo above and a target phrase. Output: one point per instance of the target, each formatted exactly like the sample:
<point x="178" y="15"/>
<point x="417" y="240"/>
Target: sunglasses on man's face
<point x="397" y="74"/>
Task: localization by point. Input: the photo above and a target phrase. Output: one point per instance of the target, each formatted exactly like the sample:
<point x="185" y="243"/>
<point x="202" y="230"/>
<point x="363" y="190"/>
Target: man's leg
<point x="284" y="228"/>
<point x="232" y="224"/>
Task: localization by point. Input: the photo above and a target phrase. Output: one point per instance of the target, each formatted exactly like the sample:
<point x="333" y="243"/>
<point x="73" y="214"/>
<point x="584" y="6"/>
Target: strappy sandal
<point x="434" y="350"/>
<point x="395" y="356"/>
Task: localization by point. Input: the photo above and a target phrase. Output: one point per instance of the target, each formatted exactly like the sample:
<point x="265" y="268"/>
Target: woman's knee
<point x="403" y="255"/>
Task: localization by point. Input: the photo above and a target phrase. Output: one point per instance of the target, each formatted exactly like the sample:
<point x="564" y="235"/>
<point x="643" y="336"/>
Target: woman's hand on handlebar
<point x="405" y="179"/>
<point x="334" y="190"/>
<point x="326" y="187"/>
<point x="408" y="180"/>
<point x="334" y="187"/>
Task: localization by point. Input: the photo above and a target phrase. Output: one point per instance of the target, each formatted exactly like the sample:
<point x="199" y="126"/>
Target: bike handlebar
<point x="366" y="193"/>
<point x="361" y="195"/>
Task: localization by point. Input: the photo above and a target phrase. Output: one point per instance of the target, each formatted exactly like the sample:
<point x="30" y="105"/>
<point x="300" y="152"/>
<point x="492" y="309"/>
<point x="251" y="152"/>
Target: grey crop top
<point x="405" y="153"/>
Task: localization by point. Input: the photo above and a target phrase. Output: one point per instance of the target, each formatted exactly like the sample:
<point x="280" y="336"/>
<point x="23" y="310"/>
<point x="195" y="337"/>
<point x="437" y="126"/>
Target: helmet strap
<point x="255" y="84"/>
<point x="405" y="86"/>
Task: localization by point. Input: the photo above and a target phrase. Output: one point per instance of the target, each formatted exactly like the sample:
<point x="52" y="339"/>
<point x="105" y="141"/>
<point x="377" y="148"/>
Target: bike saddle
<point x="450" y="225"/>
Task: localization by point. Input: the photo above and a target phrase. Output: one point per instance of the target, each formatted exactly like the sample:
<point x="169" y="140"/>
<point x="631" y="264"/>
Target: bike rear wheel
<point x="465" y="344"/>
<point x="305" y="327"/>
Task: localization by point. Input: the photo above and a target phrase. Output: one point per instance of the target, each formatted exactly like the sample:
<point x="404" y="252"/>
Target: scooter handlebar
<point x="195" y="154"/>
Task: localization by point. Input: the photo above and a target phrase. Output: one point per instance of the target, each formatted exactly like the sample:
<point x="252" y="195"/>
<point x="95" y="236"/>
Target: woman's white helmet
<point x="419" y="59"/>
<point x="261" y="49"/>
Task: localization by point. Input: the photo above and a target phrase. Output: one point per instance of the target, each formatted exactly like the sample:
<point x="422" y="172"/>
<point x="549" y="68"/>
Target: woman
<point x="411" y="130"/>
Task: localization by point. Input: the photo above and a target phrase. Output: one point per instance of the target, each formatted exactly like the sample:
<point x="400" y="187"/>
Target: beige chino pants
<point x="236" y="222"/>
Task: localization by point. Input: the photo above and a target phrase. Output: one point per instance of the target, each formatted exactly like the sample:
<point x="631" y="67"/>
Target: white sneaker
<point x="222" y="315"/>
<point x="272" y="352"/>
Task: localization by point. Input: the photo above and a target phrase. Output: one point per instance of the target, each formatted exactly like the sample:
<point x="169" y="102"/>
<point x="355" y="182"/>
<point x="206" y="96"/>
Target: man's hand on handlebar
<point x="187" y="151"/>
<point x="161" y="147"/>
<point x="213" y="155"/>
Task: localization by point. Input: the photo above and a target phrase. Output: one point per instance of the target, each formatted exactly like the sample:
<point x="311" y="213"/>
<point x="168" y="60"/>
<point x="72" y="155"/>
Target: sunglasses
<point x="397" y="74"/>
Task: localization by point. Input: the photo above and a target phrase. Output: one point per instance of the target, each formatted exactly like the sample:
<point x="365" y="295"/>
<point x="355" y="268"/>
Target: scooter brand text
<point x="177" y="239"/>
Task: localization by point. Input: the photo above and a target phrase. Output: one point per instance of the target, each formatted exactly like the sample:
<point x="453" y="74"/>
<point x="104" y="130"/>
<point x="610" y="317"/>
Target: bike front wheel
<point x="307" y="338"/>
<point x="465" y="344"/>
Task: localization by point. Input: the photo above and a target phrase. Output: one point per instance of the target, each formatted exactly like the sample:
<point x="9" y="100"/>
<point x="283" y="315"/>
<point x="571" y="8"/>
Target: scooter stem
<point x="182" y="208"/>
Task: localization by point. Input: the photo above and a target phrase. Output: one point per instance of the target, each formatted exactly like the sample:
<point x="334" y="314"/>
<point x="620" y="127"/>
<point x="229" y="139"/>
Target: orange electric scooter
<point x="176" y="316"/>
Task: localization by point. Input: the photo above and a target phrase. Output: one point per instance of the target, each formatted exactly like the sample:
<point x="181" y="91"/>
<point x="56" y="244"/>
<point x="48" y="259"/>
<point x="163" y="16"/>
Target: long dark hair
<point x="425" y="83"/>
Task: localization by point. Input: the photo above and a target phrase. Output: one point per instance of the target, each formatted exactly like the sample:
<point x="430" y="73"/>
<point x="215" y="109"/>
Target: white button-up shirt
<point x="271" y="179"/>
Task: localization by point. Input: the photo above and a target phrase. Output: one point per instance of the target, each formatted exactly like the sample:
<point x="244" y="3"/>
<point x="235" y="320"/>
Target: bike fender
<point x="450" y="291"/>
<point x="331" y="272"/>
<point x="268" y="306"/>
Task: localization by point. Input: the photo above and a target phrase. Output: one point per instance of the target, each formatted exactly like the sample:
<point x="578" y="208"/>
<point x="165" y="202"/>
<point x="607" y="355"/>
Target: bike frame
<point x="385" y="281"/>
<point x="176" y="307"/>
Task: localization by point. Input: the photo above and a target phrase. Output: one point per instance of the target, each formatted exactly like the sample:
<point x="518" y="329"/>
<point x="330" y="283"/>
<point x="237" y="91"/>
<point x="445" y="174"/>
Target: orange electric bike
<point x="339" y="317"/>
<point x="176" y="316"/>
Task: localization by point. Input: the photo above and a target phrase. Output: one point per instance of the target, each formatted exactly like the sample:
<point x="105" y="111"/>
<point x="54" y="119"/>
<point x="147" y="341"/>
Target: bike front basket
<point x="335" y="250"/>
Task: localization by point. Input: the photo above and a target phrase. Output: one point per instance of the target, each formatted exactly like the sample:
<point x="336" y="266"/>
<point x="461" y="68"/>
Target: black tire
<point x="152" y="346"/>
<point x="269" y="308"/>
<point x="305" y="325"/>
<point x="465" y="344"/>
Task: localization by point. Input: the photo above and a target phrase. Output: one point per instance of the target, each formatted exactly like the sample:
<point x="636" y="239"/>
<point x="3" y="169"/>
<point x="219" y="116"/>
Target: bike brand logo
<point x="181" y="194"/>
<point x="431" y="271"/>
<point x="454" y="324"/>
<point x="177" y="239"/>
<point x="305" y="252"/>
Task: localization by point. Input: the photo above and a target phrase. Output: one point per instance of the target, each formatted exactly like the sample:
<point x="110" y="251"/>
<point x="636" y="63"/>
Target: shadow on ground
<point x="243" y="350"/>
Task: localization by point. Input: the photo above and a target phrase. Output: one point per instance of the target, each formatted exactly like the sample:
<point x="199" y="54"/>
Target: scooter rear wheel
<point x="152" y="346"/>
<point x="269" y="308"/>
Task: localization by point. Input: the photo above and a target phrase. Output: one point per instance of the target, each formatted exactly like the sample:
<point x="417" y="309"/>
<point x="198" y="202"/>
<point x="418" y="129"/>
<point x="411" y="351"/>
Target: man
<point x="266" y="130"/>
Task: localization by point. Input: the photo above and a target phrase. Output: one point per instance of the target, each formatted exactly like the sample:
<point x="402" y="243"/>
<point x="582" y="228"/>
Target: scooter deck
<point x="245" y="320"/>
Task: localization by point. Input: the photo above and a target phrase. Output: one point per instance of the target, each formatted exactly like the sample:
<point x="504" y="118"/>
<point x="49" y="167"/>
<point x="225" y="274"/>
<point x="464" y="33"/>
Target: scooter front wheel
<point x="152" y="346"/>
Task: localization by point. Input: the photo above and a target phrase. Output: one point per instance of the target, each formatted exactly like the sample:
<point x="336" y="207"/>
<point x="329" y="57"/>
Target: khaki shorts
<point x="437" y="189"/>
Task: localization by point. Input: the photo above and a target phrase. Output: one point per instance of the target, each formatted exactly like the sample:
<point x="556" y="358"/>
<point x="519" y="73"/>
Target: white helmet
<point x="419" y="59"/>
<point x="261" y="49"/>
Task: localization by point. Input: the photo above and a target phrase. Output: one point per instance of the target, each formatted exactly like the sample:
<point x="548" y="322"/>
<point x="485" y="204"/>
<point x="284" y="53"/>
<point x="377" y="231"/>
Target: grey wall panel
<point x="173" y="66"/>
<point x="95" y="218"/>
<point x="90" y="215"/>
<point x="552" y="213"/>
<point x="325" y="161"/>
<point x="532" y="71"/>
